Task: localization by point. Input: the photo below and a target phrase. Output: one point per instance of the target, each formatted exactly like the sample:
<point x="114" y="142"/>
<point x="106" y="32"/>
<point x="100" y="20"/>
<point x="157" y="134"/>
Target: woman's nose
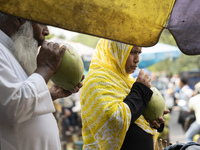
<point x="137" y="59"/>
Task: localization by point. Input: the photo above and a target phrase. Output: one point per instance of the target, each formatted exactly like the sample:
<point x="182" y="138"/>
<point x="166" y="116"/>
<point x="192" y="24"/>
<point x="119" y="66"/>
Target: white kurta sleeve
<point x="191" y="103"/>
<point x="21" y="99"/>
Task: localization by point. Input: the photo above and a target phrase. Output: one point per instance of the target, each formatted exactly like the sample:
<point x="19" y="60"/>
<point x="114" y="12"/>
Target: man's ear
<point x="18" y="22"/>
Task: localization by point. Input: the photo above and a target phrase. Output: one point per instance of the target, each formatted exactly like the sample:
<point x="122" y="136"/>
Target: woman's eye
<point x="135" y="52"/>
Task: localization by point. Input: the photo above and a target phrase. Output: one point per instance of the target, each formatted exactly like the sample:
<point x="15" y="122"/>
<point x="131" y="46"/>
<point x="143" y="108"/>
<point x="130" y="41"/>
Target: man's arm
<point x="21" y="98"/>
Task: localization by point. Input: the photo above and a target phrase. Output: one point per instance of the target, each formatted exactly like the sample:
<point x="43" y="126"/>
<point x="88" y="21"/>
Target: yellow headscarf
<point x="105" y="117"/>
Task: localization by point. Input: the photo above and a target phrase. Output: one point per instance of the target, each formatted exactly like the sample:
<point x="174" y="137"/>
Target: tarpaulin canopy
<point x="137" y="22"/>
<point x="157" y="53"/>
<point x="184" y="24"/>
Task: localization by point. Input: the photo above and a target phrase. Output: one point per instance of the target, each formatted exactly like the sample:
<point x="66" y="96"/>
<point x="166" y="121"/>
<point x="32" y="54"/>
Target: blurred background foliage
<point x="87" y="40"/>
<point x="183" y="63"/>
<point x="171" y="67"/>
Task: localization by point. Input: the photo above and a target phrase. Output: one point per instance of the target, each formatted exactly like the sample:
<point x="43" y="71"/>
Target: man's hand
<point x="57" y="92"/>
<point x="144" y="78"/>
<point x="49" y="59"/>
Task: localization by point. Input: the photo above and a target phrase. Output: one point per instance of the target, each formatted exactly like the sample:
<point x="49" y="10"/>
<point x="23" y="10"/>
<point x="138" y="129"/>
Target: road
<point x="176" y="133"/>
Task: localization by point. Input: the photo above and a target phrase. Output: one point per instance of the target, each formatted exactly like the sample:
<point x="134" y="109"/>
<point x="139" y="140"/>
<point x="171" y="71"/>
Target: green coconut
<point x="155" y="106"/>
<point x="70" y="71"/>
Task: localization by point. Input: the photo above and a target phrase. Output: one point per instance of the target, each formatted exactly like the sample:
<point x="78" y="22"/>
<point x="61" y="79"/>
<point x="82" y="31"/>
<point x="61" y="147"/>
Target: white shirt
<point x="185" y="94"/>
<point x="194" y="104"/>
<point x="26" y="119"/>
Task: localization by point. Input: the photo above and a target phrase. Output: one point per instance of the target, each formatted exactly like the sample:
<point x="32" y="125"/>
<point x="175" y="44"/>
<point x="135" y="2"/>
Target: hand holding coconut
<point x="155" y="109"/>
<point x="58" y="92"/>
<point x="156" y="123"/>
<point x="70" y="71"/>
<point x="48" y="62"/>
<point x="49" y="59"/>
<point x="156" y="106"/>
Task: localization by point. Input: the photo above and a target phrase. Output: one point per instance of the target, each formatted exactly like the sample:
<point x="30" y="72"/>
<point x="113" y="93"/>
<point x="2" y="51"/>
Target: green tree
<point x="61" y="36"/>
<point x="49" y="36"/>
<point x="183" y="63"/>
<point x="86" y="40"/>
<point x="167" y="38"/>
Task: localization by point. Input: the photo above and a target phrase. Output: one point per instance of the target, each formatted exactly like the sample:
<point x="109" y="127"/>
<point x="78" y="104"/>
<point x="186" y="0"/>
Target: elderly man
<point x="26" y="104"/>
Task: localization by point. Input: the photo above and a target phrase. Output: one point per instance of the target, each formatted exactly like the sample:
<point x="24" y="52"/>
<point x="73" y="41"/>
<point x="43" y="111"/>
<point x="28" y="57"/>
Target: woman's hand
<point x="144" y="78"/>
<point x="57" y="92"/>
<point x="156" y="123"/>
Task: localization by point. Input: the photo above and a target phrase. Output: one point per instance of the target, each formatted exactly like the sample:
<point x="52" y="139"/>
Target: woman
<point x="112" y="104"/>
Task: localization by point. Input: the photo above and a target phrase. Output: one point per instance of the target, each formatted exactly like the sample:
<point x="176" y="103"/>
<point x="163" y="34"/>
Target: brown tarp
<point x="137" y="22"/>
<point x="184" y="25"/>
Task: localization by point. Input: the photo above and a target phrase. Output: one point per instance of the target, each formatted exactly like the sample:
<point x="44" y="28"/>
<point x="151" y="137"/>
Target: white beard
<point x="25" y="48"/>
